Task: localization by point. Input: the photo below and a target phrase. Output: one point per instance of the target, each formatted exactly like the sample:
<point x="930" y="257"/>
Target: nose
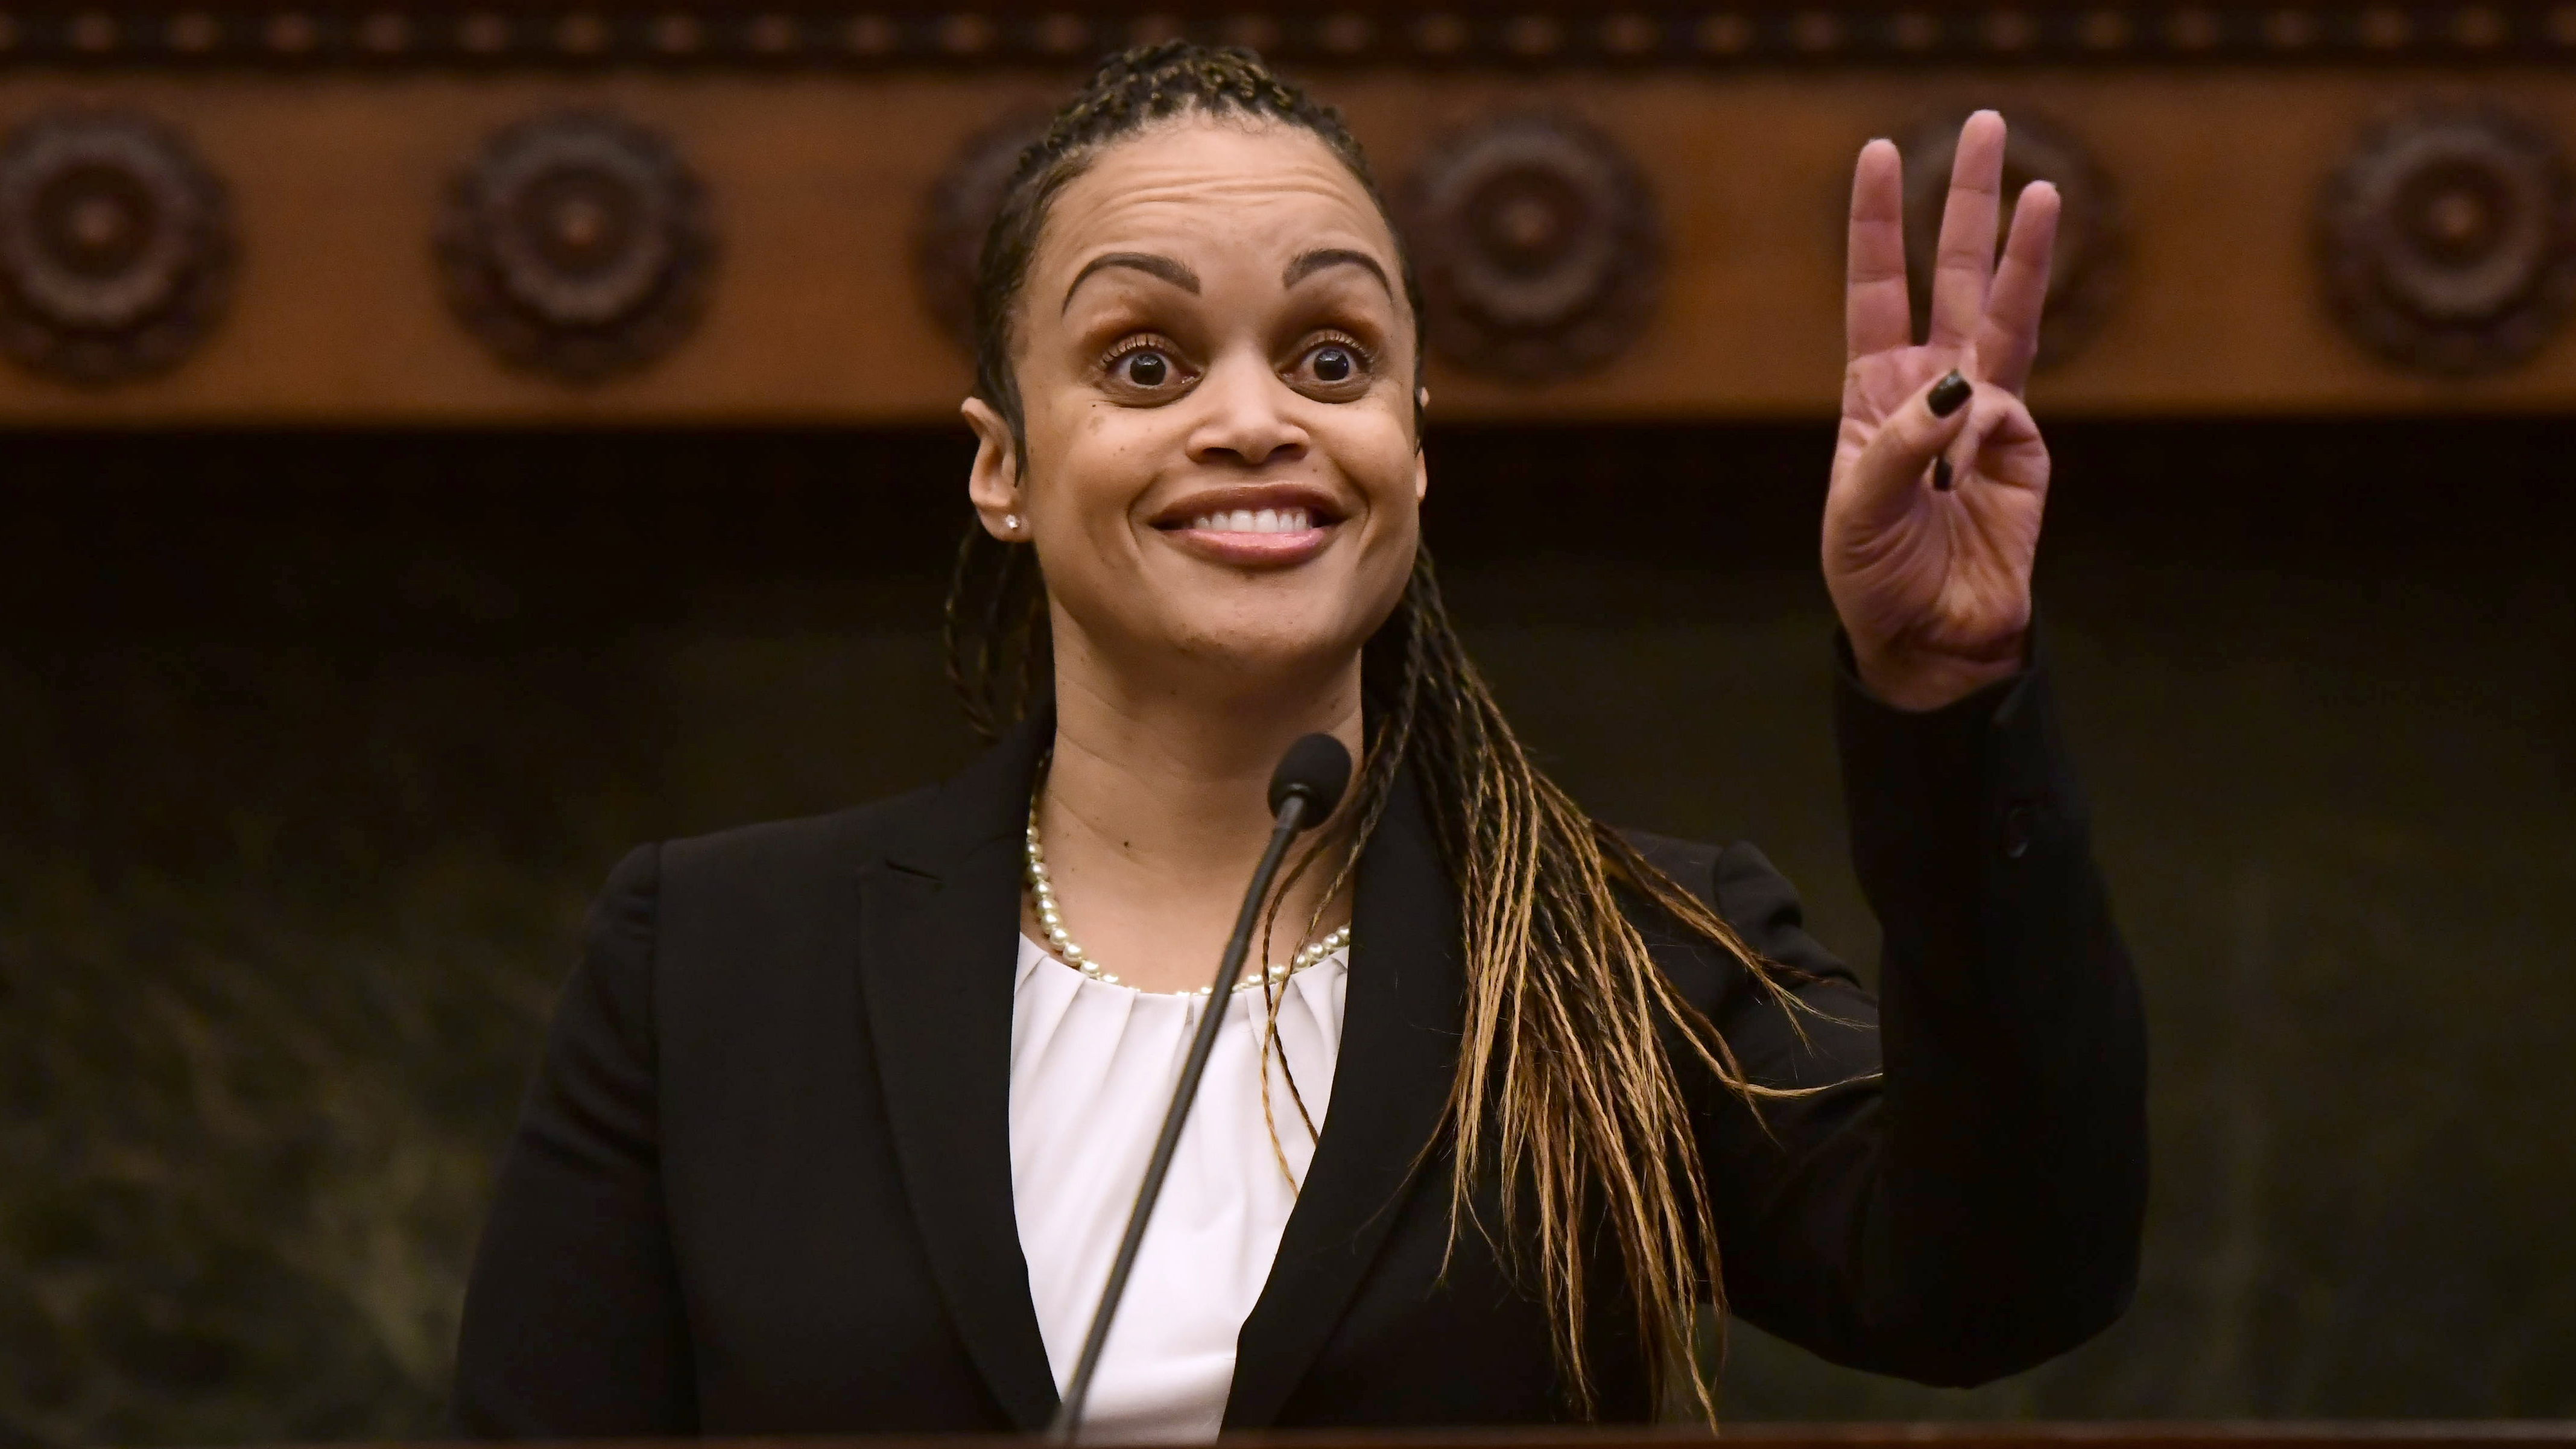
<point x="1244" y="416"/>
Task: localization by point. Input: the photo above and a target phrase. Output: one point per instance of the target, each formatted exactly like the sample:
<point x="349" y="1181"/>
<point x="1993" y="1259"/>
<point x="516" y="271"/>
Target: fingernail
<point x="1941" y="475"/>
<point x="1948" y="394"/>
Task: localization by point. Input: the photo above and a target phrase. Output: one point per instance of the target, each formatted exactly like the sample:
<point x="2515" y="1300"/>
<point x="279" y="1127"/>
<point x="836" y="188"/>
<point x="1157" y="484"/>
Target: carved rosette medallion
<point x="949" y="242"/>
<point x="1538" y="244"/>
<point x="116" y="246"/>
<point x="2449" y="240"/>
<point x="2084" y="271"/>
<point x="577" y="245"/>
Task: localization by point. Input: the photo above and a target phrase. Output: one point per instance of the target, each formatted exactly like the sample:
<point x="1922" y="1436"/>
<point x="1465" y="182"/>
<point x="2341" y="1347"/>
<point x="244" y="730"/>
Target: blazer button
<point x="2017" y="821"/>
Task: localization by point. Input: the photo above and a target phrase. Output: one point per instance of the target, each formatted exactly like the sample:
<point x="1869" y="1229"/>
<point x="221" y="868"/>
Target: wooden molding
<point x="564" y="35"/>
<point x="817" y="186"/>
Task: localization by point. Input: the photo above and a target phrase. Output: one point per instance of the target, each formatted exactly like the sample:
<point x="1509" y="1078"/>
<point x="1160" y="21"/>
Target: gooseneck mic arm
<point x="1303" y="791"/>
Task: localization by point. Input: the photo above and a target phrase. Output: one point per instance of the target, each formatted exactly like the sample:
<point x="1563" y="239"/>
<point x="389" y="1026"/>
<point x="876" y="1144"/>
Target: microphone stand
<point x="1291" y="820"/>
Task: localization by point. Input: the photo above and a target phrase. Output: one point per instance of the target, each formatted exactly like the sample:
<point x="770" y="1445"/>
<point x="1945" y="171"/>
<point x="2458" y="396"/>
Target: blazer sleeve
<point x="573" y="1323"/>
<point x="1962" y="1196"/>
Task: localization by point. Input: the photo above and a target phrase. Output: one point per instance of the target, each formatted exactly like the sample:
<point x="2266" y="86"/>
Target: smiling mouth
<point x="1255" y="528"/>
<point x="1252" y="520"/>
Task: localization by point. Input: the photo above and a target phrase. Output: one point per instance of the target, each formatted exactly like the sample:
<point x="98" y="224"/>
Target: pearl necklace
<point x="1051" y="921"/>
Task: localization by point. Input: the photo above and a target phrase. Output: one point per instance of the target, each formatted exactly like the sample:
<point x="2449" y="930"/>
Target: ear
<point x="993" y="482"/>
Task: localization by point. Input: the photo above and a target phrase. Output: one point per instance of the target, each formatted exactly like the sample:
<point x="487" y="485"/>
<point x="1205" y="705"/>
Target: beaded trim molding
<point x="1556" y="33"/>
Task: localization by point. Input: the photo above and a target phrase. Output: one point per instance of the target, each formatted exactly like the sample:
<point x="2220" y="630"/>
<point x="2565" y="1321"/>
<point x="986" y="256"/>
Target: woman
<point x="840" y="1118"/>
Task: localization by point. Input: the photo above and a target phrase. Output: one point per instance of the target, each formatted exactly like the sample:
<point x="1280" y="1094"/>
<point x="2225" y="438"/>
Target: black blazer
<point x="762" y="1183"/>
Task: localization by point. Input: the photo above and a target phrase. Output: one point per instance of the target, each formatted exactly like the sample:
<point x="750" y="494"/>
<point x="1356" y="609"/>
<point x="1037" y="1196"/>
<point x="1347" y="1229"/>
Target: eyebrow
<point x="1309" y="263"/>
<point x="1147" y="262"/>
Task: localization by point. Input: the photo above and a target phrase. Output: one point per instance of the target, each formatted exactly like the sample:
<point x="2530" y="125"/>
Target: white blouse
<point x="1092" y="1068"/>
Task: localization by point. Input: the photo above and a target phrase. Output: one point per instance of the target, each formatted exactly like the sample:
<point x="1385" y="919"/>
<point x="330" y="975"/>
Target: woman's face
<point x="1216" y="367"/>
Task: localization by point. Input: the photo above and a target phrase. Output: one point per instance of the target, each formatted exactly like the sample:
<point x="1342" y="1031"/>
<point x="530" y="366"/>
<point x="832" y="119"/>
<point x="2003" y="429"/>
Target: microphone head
<point x="1316" y="767"/>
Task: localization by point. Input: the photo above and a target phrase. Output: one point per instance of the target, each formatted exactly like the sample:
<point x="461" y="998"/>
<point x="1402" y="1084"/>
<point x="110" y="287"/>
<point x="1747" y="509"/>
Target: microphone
<point x="1303" y="791"/>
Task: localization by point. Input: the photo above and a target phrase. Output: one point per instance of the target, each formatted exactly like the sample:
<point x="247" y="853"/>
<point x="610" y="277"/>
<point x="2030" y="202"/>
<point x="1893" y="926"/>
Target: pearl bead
<point x="1051" y="924"/>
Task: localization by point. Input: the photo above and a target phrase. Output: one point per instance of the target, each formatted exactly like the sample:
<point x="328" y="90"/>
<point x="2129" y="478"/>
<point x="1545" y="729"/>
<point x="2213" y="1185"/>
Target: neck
<point x="1156" y="802"/>
<point x="1183" y="775"/>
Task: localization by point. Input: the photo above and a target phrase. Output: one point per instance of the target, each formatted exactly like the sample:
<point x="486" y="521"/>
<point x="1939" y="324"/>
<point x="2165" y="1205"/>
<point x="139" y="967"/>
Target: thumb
<point x="1890" y="468"/>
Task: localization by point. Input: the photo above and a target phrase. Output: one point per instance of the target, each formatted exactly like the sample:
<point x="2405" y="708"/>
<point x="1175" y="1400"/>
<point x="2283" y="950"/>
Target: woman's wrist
<point x="1921" y="680"/>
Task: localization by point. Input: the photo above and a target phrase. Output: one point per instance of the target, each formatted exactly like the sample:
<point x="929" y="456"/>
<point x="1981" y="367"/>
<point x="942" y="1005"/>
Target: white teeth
<point x="1245" y="520"/>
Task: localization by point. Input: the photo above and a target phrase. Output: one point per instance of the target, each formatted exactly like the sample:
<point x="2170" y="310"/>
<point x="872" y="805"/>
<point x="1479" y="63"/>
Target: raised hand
<point x="1939" y="476"/>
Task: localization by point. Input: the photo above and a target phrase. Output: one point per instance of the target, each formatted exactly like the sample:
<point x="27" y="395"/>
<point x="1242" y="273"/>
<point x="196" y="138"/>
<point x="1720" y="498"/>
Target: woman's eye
<point x="1144" y="368"/>
<point x="1335" y="367"/>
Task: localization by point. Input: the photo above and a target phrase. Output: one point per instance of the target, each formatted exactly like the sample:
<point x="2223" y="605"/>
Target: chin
<point x="1276" y="649"/>
<point x="1241" y="634"/>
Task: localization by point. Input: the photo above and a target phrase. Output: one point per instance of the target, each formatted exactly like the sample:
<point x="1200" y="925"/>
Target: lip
<point x="1254" y="550"/>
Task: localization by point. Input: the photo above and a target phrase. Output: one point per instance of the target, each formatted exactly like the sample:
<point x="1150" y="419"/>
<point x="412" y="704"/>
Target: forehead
<point x="1206" y="189"/>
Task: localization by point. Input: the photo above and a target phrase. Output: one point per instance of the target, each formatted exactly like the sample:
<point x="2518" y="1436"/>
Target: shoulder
<point x="705" y="933"/>
<point x="773" y="864"/>
<point x="773" y="871"/>
<point x="1750" y="894"/>
<point x="776" y="852"/>
<point x="788" y="883"/>
<point x="1736" y="880"/>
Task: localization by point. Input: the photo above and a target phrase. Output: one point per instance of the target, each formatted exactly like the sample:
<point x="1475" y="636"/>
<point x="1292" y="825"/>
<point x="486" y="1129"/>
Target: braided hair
<point x="1566" y="1098"/>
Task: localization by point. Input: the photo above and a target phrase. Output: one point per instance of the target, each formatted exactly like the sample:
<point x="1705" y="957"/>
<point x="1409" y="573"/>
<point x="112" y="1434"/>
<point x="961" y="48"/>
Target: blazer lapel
<point x="939" y="922"/>
<point x="1399" y="1053"/>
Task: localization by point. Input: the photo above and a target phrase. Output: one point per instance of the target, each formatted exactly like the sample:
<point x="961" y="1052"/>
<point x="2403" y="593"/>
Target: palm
<point x="1918" y="571"/>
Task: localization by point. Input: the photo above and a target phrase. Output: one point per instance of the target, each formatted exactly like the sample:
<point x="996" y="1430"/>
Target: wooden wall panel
<point x="816" y="179"/>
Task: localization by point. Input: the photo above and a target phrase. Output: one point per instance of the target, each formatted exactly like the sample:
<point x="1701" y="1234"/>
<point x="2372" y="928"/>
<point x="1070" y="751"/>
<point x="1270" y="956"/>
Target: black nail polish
<point x="1941" y="475"/>
<point x="1947" y="395"/>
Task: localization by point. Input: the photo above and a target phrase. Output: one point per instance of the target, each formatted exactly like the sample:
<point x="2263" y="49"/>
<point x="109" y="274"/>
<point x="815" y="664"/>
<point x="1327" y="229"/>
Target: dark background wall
<point x="312" y="747"/>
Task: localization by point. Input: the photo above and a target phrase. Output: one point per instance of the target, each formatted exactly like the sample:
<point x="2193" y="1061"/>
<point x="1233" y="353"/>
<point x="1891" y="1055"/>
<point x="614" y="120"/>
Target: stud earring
<point x="1010" y="523"/>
